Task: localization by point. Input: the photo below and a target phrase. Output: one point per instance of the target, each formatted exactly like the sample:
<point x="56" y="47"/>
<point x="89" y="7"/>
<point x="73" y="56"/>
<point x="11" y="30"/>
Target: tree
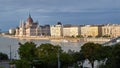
<point x="79" y="36"/>
<point x="105" y="52"/>
<point x="3" y="56"/>
<point x="27" y="51"/>
<point x="91" y="51"/>
<point x="27" y="54"/>
<point x="98" y="36"/>
<point x="66" y="60"/>
<point x="114" y="59"/>
<point x="79" y="58"/>
<point x="22" y="64"/>
<point x="47" y="53"/>
<point x="106" y="36"/>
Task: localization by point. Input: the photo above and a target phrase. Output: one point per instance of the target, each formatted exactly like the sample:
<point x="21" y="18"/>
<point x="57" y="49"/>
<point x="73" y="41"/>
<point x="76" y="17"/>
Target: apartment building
<point x="89" y="30"/>
<point x="71" y="31"/>
<point x="56" y="30"/>
<point x="112" y="30"/>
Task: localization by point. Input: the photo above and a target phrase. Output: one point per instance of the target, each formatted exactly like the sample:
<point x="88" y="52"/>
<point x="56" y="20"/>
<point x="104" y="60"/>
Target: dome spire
<point x="30" y="20"/>
<point x="29" y="15"/>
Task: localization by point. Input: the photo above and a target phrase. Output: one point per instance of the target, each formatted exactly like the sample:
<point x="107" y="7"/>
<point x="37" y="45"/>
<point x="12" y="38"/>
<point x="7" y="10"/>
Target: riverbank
<point x="27" y="38"/>
<point x="59" y="39"/>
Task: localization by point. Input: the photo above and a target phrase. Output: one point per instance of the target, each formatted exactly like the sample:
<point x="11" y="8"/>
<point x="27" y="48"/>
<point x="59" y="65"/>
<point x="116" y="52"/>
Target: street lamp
<point x="58" y="55"/>
<point x="58" y="59"/>
<point x="10" y="54"/>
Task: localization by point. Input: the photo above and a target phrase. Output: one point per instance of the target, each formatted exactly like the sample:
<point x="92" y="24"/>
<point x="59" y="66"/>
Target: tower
<point x="29" y="21"/>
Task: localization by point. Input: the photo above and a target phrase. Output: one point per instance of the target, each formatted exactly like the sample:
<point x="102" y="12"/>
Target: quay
<point x="60" y="39"/>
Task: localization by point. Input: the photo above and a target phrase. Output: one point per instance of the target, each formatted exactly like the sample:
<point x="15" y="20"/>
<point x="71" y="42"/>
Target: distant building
<point x="45" y="30"/>
<point x="28" y="28"/>
<point x="100" y="30"/>
<point x="71" y="30"/>
<point x="112" y="30"/>
<point x="89" y="30"/>
<point x="12" y="31"/>
<point x="56" y="30"/>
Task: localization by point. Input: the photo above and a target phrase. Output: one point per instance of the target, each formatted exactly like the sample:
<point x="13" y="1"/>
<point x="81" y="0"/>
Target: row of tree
<point x="46" y="56"/>
<point x="43" y="56"/>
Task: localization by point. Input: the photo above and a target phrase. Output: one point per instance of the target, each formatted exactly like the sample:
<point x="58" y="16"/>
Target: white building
<point x="56" y="30"/>
<point x="71" y="31"/>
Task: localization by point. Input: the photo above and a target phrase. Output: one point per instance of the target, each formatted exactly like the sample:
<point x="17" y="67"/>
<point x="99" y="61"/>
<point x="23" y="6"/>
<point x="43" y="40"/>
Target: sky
<point x="76" y="12"/>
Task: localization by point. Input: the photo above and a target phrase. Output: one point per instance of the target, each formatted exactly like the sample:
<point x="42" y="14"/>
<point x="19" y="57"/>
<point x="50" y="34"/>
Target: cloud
<point x="68" y="11"/>
<point x="58" y="5"/>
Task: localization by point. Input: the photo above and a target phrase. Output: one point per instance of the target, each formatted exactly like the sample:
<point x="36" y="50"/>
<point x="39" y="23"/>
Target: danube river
<point x="7" y="43"/>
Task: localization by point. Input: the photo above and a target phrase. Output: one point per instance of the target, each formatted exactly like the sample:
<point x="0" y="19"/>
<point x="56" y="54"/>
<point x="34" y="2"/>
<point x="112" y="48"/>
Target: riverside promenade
<point x="59" y="39"/>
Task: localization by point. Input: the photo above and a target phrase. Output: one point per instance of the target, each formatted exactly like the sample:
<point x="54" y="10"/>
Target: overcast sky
<point x="52" y="11"/>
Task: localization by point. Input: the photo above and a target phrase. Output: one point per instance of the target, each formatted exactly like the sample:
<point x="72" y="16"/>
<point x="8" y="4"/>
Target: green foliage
<point x="105" y="52"/>
<point x="23" y="64"/>
<point x="66" y="59"/>
<point x="91" y="51"/>
<point x="1" y="67"/>
<point x="98" y="36"/>
<point x="106" y="36"/>
<point x="72" y="36"/>
<point x="38" y="64"/>
<point x="27" y="55"/>
<point x="47" y="49"/>
<point x="89" y="36"/>
<point x="78" y="59"/>
<point x="114" y="60"/>
<point x="3" y="56"/>
<point x="78" y="56"/>
<point x="27" y="51"/>
<point x="79" y="36"/>
<point x="48" y="54"/>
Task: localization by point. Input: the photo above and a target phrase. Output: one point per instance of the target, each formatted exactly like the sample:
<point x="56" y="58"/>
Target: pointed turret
<point x="20" y="24"/>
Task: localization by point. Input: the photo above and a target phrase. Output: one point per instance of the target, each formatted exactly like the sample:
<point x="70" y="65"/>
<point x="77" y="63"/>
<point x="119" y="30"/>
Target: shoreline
<point x="59" y="39"/>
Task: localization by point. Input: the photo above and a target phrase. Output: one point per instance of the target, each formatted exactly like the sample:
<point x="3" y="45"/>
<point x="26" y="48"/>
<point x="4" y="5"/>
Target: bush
<point x="3" y="56"/>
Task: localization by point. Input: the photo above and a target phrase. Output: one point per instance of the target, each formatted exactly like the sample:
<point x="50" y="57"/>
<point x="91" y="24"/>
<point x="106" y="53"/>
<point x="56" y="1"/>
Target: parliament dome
<point x="29" y="19"/>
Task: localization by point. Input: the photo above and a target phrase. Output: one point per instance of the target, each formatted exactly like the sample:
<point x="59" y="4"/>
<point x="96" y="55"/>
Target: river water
<point x="6" y="43"/>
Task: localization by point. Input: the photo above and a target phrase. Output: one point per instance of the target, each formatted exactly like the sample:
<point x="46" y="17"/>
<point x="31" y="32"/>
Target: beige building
<point x="89" y="30"/>
<point x="56" y="30"/>
<point x="112" y="30"/>
<point x="28" y="28"/>
<point x="71" y="31"/>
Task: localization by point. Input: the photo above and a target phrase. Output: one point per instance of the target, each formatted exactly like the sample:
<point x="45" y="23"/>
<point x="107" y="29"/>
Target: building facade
<point x="45" y="30"/>
<point x="56" y="30"/>
<point x="71" y="31"/>
<point x="28" y="28"/>
<point x="112" y="30"/>
<point x="89" y="30"/>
